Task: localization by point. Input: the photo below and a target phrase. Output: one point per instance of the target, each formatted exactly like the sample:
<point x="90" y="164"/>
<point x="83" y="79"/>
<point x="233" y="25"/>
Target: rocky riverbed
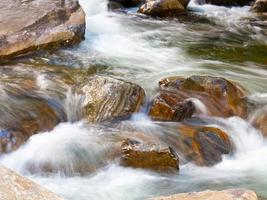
<point x="129" y="99"/>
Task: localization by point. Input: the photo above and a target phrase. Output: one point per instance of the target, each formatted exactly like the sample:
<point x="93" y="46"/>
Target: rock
<point x="148" y="156"/>
<point x="48" y="24"/>
<point x="259" y="119"/>
<point x="259" y="6"/>
<point x="230" y="194"/>
<point x="164" y="8"/>
<point x="107" y="98"/>
<point x="125" y="3"/>
<point x="31" y="101"/>
<point x="165" y="107"/>
<point x="202" y="144"/>
<point x="14" y="186"/>
<point x="229" y="2"/>
<point x="220" y="97"/>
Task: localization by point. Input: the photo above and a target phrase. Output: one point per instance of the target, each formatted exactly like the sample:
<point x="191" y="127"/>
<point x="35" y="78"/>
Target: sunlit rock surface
<point x="231" y="194"/>
<point x="26" y="26"/>
<point x="16" y="187"/>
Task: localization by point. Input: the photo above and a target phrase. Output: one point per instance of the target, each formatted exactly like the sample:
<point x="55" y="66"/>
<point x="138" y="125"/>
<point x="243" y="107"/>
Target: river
<point x="211" y="40"/>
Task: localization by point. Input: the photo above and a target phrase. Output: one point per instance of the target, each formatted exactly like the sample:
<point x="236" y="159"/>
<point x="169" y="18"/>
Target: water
<point x="76" y="159"/>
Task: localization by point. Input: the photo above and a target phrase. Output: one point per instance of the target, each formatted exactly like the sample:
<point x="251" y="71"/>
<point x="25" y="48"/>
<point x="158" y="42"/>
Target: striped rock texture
<point x="107" y="98"/>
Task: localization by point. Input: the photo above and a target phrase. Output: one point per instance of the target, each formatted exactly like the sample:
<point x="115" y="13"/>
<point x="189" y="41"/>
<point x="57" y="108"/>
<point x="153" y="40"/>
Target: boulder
<point x="202" y="145"/>
<point x="220" y="97"/>
<point x="47" y="24"/>
<point x="259" y="6"/>
<point x="31" y="101"/>
<point x="164" y="8"/>
<point x="229" y="2"/>
<point x="107" y="98"/>
<point x="165" y="107"/>
<point x="230" y="194"/>
<point x="14" y="186"/>
<point x="156" y="157"/>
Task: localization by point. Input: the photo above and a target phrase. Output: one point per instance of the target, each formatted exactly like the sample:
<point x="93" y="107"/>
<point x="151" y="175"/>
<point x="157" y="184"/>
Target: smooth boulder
<point x="107" y="98"/>
<point x="157" y="157"/>
<point x="164" y="8"/>
<point x="26" y="26"/>
<point x="230" y="194"/>
<point x="176" y="95"/>
<point x="16" y="187"/>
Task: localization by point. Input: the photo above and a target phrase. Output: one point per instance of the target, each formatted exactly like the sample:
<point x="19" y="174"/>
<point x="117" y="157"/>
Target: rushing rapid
<point x="212" y="40"/>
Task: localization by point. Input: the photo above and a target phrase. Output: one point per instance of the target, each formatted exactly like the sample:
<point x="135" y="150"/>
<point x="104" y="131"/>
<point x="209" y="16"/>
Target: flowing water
<point x="211" y="40"/>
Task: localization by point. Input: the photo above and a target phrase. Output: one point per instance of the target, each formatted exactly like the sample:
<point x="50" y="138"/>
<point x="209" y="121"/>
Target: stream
<point x="210" y="40"/>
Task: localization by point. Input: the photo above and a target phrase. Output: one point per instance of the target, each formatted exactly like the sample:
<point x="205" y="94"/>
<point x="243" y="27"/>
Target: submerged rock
<point x="156" y="157"/>
<point x="14" y="186"/>
<point x="31" y="101"/>
<point x="107" y="98"/>
<point x="259" y="6"/>
<point x="47" y="24"/>
<point x="230" y="194"/>
<point x="219" y="96"/>
<point x="202" y="144"/>
<point x="163" y="8"/>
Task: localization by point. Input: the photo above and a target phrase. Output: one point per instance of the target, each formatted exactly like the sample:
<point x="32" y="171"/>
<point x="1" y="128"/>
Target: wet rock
<point x="259" y="6"/>
<point x="156" y="157"/>
<point x="13" y="186"/>
<point x="231" y="194"/>
<point x="219" y="96"/>
<point x="165" y="107"/>
<point x="125" y="3"/>
<point x="107" y="98"/>
<point x="229" y="2"/>
<point x="164" y="8"/>
<point x="259" y="119"/>
<point x="48" y="24"/>
<point x="202" y="144"/>
<point x="31" y="101"/>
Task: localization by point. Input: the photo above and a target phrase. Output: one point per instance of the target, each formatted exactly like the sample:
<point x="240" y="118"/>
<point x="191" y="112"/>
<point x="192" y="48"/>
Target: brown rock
<point x="203" y="145"/>
<point x="231" y="194"/>
<point x="47" y="24"/>
<point x="164" y="8"/>
<point x="148" y="156"/>
<point x="259" y="119"/>
<point x="16" y="187"/>
<point x="221" y="97"/>
<point x="165" y="107"/>
<point x="29" y="105"/>
<point x="259" y="6"/>
<point x="108" y="98"/>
